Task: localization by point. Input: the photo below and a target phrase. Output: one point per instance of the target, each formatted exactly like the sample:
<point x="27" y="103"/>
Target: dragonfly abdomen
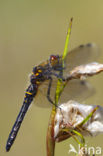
<point x="29" y="95"/>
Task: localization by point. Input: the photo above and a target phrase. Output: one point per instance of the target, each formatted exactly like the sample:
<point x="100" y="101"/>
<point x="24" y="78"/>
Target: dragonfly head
<point x="54" y="60"/>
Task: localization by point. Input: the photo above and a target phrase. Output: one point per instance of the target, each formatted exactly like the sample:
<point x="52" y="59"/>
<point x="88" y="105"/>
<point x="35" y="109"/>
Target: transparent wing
<point x="41" y="98"/>
<point x="81" y="55"/>
<point x="78" y="90"/>
<point x="75" y="90"/>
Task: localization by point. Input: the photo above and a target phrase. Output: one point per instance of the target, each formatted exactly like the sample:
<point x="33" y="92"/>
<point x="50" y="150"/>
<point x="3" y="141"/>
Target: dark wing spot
<point x="81" y="46"/>
<point x="83" y="82"/>
<point x="89" y="45"/>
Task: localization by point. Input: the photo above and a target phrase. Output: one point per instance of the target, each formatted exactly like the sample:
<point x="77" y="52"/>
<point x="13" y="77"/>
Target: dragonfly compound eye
<point x="54" y="59"/>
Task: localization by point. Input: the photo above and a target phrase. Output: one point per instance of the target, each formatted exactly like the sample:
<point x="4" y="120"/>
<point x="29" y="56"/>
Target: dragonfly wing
<point x="78" y="90"/>
<point x="41" y="97"/>
<point x="75" y="90"/>
<point x="81" y="55"/>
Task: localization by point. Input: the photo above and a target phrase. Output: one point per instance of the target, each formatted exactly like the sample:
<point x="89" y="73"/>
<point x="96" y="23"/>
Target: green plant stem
<point x="50" y="142"/>
<point x="60" y="85"/>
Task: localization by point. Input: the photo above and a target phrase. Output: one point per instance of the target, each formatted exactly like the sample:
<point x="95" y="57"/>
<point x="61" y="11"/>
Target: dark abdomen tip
<point x="8" y="147"/>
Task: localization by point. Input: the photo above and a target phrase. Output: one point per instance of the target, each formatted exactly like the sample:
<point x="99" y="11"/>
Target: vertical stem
<point x="60" y="84"/>
<point x="67" y="40"/>
<point x="50" y="142"/>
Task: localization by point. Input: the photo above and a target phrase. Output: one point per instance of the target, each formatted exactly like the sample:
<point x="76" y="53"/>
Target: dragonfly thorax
<point x="37" y="75"/>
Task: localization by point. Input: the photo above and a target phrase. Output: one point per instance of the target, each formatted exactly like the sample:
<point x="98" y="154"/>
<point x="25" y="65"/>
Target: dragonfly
<point x="49" y="71"/>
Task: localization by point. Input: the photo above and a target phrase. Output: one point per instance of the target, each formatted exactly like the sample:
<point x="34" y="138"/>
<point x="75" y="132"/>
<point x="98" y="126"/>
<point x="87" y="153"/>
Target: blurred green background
<point x="29" y="32"/>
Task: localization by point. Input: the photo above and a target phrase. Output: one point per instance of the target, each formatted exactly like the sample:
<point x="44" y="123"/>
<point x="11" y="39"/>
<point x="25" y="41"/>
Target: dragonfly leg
<point x="60" y="77"/>
<point x="59" y="68"/>
<point x="48" y="91"/>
